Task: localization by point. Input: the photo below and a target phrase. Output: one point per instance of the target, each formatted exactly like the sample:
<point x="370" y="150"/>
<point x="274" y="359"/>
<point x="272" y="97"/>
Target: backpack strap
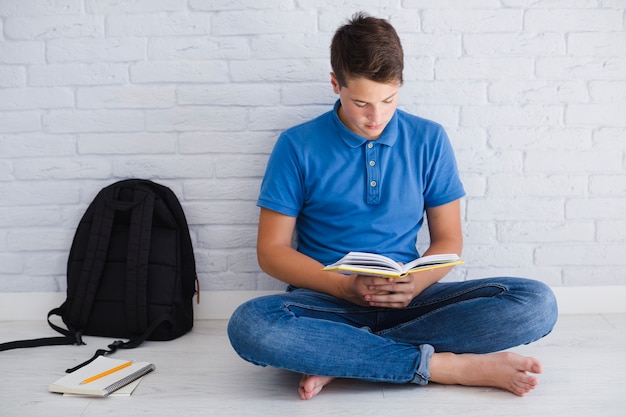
<point x="95" y="258"/>
<point x="119" y="344"/>
<point x="68" y="338"/>
<point x="140" y="232"/>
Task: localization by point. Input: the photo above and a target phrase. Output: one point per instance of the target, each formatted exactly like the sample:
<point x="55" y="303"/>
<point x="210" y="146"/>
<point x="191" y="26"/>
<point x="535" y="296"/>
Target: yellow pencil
<point x="105" y="373"/>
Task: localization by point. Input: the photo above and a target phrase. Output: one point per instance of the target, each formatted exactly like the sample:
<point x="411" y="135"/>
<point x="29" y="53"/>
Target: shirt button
<point x="372" y="163"/>
<point x="373" y="183"/>
<point x="370" y="145"/>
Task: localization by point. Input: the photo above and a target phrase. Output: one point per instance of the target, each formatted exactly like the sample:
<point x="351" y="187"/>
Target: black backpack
<point x="131" y="271"/>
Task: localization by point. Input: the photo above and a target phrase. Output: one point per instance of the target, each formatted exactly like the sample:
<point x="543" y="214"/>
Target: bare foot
<point x="504" y="370"/>
<point x="311" y="385"/>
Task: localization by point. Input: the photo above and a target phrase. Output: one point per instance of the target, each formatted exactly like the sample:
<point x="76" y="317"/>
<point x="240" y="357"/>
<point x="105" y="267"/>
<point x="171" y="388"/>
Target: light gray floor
<point x="200" y="375"/>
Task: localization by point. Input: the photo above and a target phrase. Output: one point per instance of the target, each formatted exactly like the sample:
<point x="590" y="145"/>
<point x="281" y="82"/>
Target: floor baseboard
<point x="221" y="304"/>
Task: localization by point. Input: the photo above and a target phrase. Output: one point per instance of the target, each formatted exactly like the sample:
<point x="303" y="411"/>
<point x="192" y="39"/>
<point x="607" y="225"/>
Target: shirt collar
<point x="388" y="137"/>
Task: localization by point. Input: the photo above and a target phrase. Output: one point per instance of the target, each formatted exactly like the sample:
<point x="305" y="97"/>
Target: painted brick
<point x="163" y="167"/>
<point x="429" y="45"/>
<point x="177" y="72"/>
<point x="170" y="24"/>
<point x="233" y="188"/>
<point x="543" y="232"/>
<point x="39" y="8"/>
<point x="612" y="231"/>
<point x="219" y="5"/>
<point x="46" y="264"/>
<point x="581" y="255"/>
<point x="12" y="76"/>
<point x="571" y="20"/>
<point x="6" y="170"/>
<point x="607" y="185"/>
<point x="37" y="145"/>
<point x="20" y="121"/>
<point x="38" y="194"/>
<point x="511" y="115"/>
<point x="604" y="208"/>
<point x="53" y="27"/>
<point x="501" y="44"/>
<point x="65" y="121"/>
<point x="538" y="185"/>
<point x="229" y="94"/>
<point x="193" y="48"/>
<point x="39" y="216"/>
<point x="62" y="169"/>
<point x="35" y="98"/>
<point x="95" y="50"/>
<point x="472" y="21"/>
<point x="260" y="142"/>
<point x="540" y="138"/>
<point x="518" y="209"/>
<point x="108" y="7"/>
<point x="283" y="70"/>
<point x="479" y="161"/>
<point x="222" y="213"/>
<point x="129" y="97"/>
<point x="22" y="52"/>
<point x="503" y="255"/>
<point x="577" y="68"/>
<point x="471" y="68"/>
<point x="126" y="143"/>
<point x="260" y="22"/>
<point x="229" y="166"/>
<point x="610" y="138"/>
<point x="11" y="264"/>
<point x="77" y="74"/>
<point x="571" y="162"/>
<point x="446" y="92"/>
<point x="538" y="92"/>
<point x="290" y="46"/>
<point x="596" y="114"/>
<point x="597" y="44"/>
<point x="583" y="275"/>
<point x="203" y="118"/>
<point x="608" y="91"/>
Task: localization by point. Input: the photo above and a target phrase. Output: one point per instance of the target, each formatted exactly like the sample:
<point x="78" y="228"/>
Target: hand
<point x="385" y="292"/>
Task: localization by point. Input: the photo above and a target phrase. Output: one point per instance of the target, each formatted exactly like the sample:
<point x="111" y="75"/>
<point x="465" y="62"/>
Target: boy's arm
<point x="446" y="236"/>
<point x="277" y="258"/>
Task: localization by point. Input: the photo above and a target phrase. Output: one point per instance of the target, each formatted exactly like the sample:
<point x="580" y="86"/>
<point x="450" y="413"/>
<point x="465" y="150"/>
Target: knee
<point x="239" y="327"/>
<point x="248" y="328"/>
<point x="545" y="306"/>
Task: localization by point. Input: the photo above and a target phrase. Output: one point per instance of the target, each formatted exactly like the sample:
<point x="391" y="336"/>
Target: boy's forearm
<point x="294" y="268"/>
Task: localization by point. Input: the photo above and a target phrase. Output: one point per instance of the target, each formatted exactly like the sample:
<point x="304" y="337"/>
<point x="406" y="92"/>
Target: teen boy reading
<point x="364" y="177"/>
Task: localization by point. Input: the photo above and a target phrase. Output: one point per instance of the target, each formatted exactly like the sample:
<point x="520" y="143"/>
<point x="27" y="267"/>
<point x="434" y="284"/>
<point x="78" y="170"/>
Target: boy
<point x="360" y="178"/>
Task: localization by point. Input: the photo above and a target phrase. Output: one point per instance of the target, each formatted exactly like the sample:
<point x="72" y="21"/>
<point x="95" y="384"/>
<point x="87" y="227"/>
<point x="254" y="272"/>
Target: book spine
<point x="128" y="379"/>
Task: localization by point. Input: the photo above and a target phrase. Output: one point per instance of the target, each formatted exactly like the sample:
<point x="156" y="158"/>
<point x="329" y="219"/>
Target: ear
<point x="334" y="83"/>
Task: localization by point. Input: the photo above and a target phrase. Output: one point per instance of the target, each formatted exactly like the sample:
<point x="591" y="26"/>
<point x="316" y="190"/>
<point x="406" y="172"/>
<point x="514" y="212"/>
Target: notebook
<point x="101" y="377"/>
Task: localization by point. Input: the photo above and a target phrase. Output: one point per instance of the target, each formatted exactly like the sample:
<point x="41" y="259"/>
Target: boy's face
<point x="366" y="106"/>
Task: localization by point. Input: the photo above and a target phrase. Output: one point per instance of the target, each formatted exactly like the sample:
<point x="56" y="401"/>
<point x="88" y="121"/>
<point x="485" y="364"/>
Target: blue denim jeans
<point x="312" y="333"/>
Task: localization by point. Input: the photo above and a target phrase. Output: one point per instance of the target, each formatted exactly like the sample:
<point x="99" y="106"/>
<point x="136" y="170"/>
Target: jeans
<point x="313" y="333"/>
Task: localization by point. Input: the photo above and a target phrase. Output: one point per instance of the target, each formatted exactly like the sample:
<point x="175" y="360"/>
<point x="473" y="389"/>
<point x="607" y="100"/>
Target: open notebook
<point x="101" y="377"/>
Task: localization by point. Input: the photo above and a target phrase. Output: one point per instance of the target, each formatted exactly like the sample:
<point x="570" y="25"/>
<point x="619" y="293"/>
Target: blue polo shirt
<point x="353" y="194"/>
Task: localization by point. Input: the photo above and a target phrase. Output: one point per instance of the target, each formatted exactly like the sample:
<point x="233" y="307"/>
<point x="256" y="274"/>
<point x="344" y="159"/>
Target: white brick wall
<point x="193" y="93"/>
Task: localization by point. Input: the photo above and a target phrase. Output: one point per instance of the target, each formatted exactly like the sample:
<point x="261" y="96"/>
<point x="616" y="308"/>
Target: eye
<point x="360" y="105"/>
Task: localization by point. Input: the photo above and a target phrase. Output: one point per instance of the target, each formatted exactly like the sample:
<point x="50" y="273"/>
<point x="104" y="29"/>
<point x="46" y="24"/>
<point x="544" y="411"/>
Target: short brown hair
<point x="367" y="47"/>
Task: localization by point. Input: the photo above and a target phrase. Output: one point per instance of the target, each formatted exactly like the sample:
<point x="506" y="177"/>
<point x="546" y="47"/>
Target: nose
<point x="374" y="113"/>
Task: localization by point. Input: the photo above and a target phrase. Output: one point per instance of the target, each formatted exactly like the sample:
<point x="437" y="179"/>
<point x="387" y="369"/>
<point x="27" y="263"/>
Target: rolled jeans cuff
<point x="422" y="375"/>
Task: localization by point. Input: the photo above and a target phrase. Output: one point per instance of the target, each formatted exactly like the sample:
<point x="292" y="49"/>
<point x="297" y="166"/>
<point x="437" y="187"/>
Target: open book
<point x="101" y="377"/>
<point x="364" y="263"/>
